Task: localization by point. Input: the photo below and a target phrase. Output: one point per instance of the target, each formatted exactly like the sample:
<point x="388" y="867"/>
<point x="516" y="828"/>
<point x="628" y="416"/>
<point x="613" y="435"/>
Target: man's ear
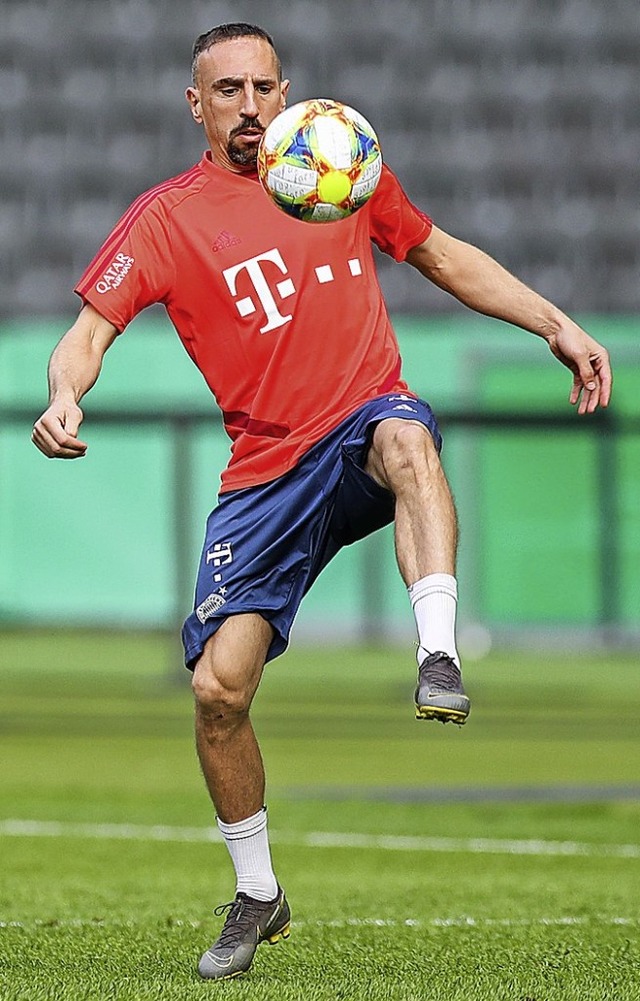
<point x="192" y="95"/>
<point x="284" y="90"/>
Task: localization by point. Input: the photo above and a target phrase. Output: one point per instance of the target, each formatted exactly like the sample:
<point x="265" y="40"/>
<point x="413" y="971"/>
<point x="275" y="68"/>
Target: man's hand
<point x="56" y="432"/>
<point x="74" y="367"/>
<point x="589" y="363"/>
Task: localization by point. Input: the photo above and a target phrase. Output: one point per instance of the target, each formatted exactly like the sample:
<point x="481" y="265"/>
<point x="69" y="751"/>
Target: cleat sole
<point x="283" y="933"/>
<point x="442" y="714"/>
<point x="226" y="976"/>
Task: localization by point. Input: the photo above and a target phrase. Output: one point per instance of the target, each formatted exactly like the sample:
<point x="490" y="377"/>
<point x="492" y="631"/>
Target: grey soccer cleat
<point x="249" y="922"/>
<point x="440" y="694"/>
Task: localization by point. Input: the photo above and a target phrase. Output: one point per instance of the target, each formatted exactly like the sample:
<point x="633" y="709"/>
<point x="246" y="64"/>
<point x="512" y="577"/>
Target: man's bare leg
<point x="404" y="459"/>
<point x="225" y="680"/>
<point x="224" y="683"/>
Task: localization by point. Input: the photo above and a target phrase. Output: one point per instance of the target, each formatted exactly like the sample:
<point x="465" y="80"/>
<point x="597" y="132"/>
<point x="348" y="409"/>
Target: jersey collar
<point x="212" y="169"/>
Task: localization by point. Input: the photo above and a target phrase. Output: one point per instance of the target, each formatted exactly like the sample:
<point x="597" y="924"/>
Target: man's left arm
<point x="482" y="284"/>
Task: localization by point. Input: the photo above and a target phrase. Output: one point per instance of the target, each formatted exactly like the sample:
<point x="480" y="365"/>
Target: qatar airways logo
<point x="260" y="272"/>
<point x="115" y="274"/>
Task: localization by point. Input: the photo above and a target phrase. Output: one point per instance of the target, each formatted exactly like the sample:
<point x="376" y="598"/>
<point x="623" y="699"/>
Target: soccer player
<point x="287" y="324"/>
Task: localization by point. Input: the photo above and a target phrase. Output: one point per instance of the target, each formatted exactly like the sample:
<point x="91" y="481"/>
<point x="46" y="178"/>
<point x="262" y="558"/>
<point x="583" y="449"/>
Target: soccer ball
<point x="319" y="161"/>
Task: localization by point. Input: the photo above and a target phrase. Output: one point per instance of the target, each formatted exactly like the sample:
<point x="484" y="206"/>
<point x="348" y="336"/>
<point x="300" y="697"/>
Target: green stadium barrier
<point x="113" y="538"/>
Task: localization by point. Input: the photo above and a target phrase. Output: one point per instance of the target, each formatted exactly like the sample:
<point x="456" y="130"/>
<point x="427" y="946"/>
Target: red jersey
<point x="285" y="319"/>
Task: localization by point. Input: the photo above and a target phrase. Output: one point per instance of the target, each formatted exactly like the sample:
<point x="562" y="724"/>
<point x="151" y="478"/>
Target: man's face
<point x="237" y="94"/>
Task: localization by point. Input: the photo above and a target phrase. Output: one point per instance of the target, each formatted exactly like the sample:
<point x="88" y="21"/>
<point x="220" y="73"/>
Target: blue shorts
<point x="265" y="545"/>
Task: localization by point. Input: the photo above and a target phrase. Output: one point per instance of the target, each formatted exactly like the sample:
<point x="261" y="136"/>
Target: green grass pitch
<point x="411" y="872"/>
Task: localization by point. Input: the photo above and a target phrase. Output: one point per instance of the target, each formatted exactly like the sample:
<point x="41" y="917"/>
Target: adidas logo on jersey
<point x="224" y="240"/>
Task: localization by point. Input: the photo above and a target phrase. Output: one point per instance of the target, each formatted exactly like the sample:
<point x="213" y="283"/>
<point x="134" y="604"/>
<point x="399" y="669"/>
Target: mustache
<point x="247" y="123"/>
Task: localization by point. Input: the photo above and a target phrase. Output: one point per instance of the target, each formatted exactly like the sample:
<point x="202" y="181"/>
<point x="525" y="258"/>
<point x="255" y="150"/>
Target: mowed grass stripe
<point x="320" y="839"/>
<point x="464" y="921"/>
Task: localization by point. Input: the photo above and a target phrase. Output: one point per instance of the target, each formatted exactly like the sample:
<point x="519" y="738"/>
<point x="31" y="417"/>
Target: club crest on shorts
<point x="211" y="604"/>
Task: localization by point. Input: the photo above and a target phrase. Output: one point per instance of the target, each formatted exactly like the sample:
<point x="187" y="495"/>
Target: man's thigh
<point x="363" y="504"/>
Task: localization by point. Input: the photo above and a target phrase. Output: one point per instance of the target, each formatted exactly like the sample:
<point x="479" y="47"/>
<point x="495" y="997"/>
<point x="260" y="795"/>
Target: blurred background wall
<point x="516" y="125"/>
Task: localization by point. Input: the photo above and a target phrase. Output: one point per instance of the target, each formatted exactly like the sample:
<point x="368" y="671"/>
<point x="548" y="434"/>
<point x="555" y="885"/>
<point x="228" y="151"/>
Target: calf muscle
<point x="225" y="680"/>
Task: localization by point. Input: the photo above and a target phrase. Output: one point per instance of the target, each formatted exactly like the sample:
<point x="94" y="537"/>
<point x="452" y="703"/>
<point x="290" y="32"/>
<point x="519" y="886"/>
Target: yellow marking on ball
<point x="334" y="187"/>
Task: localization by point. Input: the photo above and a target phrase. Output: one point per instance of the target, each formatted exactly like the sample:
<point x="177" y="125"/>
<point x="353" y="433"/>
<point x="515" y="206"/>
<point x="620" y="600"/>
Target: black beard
<point x="243" y="156"/>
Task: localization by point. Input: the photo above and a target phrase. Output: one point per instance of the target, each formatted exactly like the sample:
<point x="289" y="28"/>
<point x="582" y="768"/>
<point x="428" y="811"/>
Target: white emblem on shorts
<point x="211" y="604"/>
<point x="220" y="555"/>
<point x="403" y="406"/>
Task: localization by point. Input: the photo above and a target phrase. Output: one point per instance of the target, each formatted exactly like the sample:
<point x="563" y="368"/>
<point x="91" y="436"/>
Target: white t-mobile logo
<point x="253" y="268"/>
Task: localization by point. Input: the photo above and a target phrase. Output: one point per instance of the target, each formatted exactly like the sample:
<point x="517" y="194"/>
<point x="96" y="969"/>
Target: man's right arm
<point x="73" y="369"/>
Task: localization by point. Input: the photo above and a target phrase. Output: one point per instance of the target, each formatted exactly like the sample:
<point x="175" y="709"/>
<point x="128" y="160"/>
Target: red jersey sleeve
<point x="134" y="268"/>
<point x="396" y="225"/>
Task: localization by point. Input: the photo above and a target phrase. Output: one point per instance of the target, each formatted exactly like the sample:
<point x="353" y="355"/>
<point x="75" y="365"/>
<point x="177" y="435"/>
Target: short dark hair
<point x="222" y="33"/>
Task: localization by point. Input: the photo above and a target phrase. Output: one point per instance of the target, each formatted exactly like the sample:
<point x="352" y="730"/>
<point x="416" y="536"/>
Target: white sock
<point x="434" y="599"/>
<point x="248" y="844"/>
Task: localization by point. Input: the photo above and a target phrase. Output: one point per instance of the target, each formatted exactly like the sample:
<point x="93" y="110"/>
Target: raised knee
<point x="403" y="449"/>
<point x="410" y="442"/>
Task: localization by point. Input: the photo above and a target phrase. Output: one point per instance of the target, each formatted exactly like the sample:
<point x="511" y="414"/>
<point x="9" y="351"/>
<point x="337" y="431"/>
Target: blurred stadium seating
<point x="517" y="126"/>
